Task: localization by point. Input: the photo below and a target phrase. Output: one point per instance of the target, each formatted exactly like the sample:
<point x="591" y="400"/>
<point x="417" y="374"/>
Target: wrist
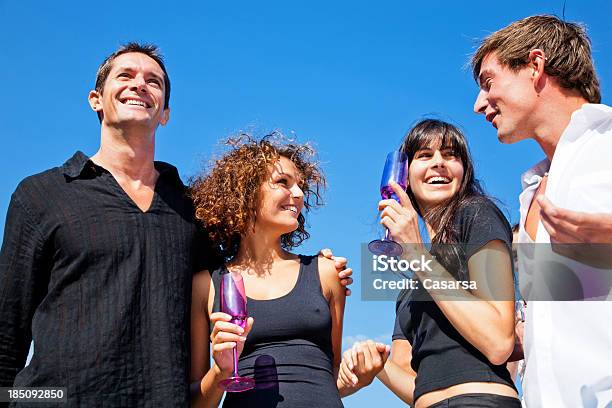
<point x="345" y="390"/>
<point x="221" y="374"/>
<point x="365" y="381"/>
<point x="383" y="372"/>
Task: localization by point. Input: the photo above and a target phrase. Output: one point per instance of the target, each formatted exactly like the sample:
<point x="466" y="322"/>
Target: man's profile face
<point x="507" y="99"/>
<point x="133" y="92"/>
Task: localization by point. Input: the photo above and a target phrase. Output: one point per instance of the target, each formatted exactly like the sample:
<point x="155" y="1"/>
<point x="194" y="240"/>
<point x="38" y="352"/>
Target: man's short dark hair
<point x="150" y="50"/>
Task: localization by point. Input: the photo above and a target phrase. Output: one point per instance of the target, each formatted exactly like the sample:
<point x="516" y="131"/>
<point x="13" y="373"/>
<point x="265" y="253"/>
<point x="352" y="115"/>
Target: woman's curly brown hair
<point x="226" y="197"/>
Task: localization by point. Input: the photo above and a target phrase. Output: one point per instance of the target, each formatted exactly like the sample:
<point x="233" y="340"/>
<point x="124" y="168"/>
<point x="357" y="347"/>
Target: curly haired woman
<point x="253" y="203"/>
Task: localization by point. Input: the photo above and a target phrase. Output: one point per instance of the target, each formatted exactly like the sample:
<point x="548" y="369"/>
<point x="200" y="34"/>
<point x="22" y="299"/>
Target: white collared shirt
<point x="568" y="345"/>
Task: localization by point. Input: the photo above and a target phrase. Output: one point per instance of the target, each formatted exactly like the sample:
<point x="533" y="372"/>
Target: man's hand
<point x="570" y="227"/>
<point x="344" y="273"/>
<point x="573" y="227"/>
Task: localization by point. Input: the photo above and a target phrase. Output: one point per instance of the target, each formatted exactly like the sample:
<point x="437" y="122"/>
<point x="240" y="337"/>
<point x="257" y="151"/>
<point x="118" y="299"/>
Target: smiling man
<point x="98" y="257"/>
<point x="537" y="81"/>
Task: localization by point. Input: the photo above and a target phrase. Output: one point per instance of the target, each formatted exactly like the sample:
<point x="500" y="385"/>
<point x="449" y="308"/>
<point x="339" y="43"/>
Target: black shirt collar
<point x="79" y="164"/>
<point x="75" y="165"/>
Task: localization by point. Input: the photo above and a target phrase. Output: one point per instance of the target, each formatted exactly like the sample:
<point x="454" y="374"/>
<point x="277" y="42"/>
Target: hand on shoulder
<point x="340" y="263"/>
<point x="330" y="282"/>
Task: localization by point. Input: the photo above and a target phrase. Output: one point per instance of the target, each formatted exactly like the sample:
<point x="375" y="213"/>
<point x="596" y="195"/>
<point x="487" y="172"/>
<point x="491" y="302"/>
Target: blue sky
<point x="350" y="76"/>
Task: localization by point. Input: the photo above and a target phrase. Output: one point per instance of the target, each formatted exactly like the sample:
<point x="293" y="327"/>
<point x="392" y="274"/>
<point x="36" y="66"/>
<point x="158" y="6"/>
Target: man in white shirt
<point x="537" y="80"/>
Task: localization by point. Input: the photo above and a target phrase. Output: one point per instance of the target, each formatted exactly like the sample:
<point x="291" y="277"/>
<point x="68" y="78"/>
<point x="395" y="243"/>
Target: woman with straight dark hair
<point x="455" y="331"/>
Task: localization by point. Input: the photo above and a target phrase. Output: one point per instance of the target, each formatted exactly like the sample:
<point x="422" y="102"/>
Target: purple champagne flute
<point x="396" y="169"/>
<point x="234" y="303"/>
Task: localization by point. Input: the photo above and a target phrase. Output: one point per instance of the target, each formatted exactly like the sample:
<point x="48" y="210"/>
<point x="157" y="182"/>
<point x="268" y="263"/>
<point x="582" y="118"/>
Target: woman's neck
<point x="258" y="251"/>
<point x="430" y="230"/>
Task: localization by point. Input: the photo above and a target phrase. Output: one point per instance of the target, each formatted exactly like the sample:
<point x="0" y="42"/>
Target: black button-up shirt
<point x="101" y="287"/>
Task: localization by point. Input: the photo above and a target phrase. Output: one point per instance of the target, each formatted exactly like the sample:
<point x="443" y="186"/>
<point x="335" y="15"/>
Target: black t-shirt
<point x="441" y="357"/>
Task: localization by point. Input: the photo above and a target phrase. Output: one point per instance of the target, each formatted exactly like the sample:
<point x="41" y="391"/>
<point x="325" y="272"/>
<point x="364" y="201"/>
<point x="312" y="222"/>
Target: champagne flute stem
<point x="387" y="235"/>
<point x="236" y="361"/>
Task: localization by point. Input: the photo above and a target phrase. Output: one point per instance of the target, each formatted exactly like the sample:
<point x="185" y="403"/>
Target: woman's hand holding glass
<point x="225" y="336"/>
<point x="401" y="219"/>
<point x="362" y="363"/>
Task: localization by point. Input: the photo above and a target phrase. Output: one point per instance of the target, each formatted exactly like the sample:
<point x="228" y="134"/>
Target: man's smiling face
<point x="507" y="98"/>
<point x="133" y="93"/>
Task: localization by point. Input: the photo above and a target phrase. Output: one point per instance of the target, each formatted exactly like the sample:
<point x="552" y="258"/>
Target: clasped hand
<point x="362" y="363"/>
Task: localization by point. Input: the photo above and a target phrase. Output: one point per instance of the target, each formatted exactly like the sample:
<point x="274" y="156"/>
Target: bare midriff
<point x="433" y="397"/>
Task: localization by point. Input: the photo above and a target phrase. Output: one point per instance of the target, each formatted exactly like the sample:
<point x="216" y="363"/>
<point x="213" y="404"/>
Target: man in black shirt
<point x="98" y="255"/>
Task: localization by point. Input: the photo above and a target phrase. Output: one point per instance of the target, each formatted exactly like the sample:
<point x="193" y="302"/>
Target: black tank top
<point x="288" y="351"/>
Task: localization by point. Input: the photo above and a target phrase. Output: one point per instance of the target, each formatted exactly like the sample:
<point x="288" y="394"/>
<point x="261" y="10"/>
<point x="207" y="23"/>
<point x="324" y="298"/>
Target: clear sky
<point x="350" y="76"/>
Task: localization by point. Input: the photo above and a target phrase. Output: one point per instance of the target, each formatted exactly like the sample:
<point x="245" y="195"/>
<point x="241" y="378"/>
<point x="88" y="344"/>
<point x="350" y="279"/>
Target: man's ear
<point x="95" y="100"/>
<point x="537" y="62"/>
<point x="165" y="117"/>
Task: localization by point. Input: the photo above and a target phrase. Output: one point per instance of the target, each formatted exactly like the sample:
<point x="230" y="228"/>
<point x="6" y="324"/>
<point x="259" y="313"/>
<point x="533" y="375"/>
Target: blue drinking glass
<point x="396" y="169"/>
